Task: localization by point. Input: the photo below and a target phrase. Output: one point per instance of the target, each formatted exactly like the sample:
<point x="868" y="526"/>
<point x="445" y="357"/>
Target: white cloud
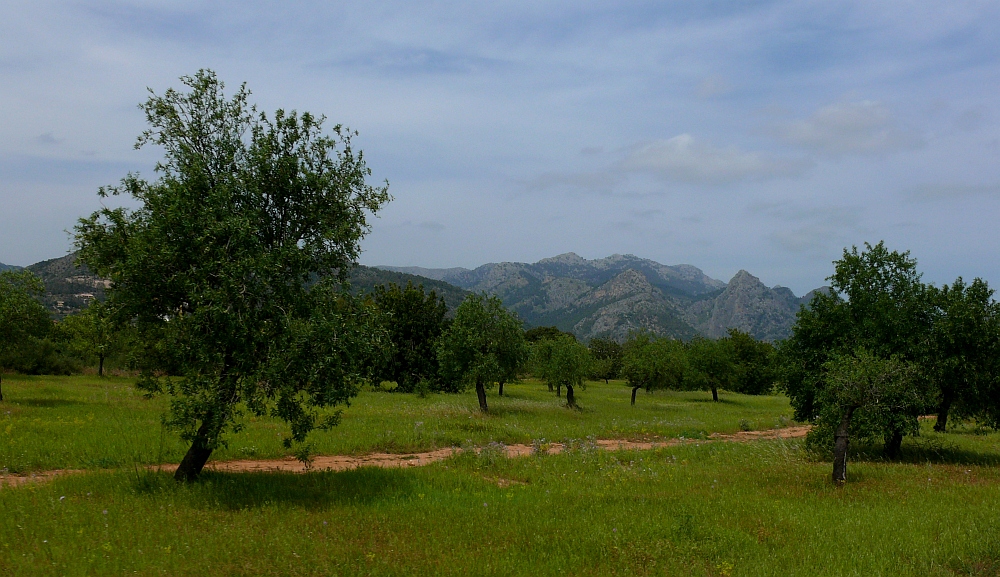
<point x="865" y="127"/>
<point x="684" y="159"/>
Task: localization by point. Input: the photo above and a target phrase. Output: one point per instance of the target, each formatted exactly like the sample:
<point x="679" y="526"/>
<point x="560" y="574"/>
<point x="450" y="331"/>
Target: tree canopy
<point x="653" y="363"/>
<point x="23" y="320"/>
<point x="414" y="323"/>
<point x="484" y="345"/>
<point x="562" y="362"/>
<point x="234" y="260"/>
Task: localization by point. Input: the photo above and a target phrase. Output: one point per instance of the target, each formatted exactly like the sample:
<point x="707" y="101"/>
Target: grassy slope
<point x="87" y="422"/>
<point x="714" y="509"/>
<point x="760" y="508"/>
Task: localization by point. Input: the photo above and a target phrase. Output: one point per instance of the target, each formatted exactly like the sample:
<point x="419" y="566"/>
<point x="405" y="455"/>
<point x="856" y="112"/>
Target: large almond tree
<point x="231" y="265"/>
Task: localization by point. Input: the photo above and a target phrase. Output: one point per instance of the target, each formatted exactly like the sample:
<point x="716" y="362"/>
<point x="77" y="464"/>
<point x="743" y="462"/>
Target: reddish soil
<point x="397" y="460"/>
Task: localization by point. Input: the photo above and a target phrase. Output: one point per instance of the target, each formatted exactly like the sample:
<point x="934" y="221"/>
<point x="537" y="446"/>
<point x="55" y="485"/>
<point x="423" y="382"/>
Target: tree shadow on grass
<point x="920" y="450"/>
<point x="45" y="403"/>
<point x="316" y="490"/>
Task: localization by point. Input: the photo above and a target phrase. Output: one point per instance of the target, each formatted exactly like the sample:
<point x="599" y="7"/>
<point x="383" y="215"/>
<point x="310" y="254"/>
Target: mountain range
<point x="613" y="296"/>
<point x="606" y="298"/>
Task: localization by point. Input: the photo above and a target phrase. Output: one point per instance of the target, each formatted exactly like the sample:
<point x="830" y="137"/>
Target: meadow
<point x="697" y="508"/>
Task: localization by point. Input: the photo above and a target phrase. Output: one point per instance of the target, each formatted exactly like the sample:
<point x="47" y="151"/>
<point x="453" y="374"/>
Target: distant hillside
<point x="4" y="267"/>
<point x="364" y="279"/>
<point x="68" y="287"/>
<point x="613" y="296"/>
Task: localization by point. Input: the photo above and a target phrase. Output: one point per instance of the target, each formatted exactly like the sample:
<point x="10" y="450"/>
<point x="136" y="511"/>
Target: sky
<point x="757" y="135"/>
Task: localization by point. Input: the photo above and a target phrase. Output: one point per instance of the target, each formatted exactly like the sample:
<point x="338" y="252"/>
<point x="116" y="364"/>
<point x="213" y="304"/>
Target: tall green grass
<point x="701" y="509"/>
<point x="88" y="422"/>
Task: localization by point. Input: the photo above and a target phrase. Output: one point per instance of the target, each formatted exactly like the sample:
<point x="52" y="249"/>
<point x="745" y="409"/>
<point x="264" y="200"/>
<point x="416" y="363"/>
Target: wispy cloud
<point x="863" y="127"/>
<point x="416" y="60"/>
<point x="932" y="192"/>
<point x="685" y="159"/>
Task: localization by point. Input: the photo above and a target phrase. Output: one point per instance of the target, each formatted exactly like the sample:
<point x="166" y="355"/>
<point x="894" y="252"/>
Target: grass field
<point x="93" y="423"/>
<point x="703" y="508"/>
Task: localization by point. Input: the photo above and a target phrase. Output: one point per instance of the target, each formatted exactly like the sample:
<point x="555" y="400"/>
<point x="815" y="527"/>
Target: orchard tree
<point x="653" y="363"/>
<point x="863" y="385"/>
<point x="233" y="264"/>
<point x="876" y="302"/>
<point x="415" y="321"/>
<point x="710" y="366"/>
<point x="562" y="362"/>
<point x="23" y="319"/>
<point x="483" y="345"/>
<point x="92" y="334"/>
<point x="607" y="359"/>
<point x="754" y="363"/>
<point x="964" y="351"/>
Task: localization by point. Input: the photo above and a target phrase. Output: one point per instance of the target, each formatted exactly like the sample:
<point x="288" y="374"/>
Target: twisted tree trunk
<point x="196" y="457"/>
<point x="481" y="393"/>
<point x="892" y="444"/>
<point x="715" y="393"/>
<point x="634" y="389"/>
<point x="840" y="444"/>
<point x="500" y="392"/>
<point x="570" y="399"/>
<point x="942" y="412"/>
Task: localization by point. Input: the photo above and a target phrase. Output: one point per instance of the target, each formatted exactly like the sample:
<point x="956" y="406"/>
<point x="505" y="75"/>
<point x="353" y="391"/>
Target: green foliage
<point x="964" y="358"/>
<point x="484" y="345"/>
<point x="415" y="322"/>
<point x="92" y="336"/>
<point x="24" y="322"/>
<point x="710" y="366"/>
<point x="536" y="334"/>
<point x="876" y="302"/>
<point x="217" y="267"/>
<point x="561" y="362"/>
<point x="875" y="394"/>
<point x="653" y="363"/>
<point x="607" y="359"/>
<point x="755" y="363"/>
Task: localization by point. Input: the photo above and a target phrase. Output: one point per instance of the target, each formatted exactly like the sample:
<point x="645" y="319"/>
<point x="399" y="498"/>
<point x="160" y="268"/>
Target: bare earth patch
<point x="402" y="460"/>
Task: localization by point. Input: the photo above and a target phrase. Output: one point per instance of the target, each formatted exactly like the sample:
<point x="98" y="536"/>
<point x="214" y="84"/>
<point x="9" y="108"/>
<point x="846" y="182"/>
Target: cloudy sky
<point x="763" y="135"/>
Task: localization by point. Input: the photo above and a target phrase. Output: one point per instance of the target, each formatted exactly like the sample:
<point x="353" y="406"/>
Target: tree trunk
<point x="1" y="385"/>
<point x="550" y="387"/>
<point x="500" y="392"/>
<point x="715" y="393"/>
<point x="943" y="408"/>
<point x="606" y="380"/>
<point x="892" y="444"/>
<point x="570" y="399"/>
<point x="634" y="389"/>
<point x="840" y="448"/>
<point x="196" y="457"/>
<point x="481" y="393"/>
<point x="100" y="366"/>
<point x="558" y="390"/>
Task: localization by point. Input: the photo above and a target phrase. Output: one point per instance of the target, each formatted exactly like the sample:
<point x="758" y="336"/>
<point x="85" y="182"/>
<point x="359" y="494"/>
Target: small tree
<point x="754" y="362"/>
<point x="92" y="334"/>
<point x="415" y="322"/>
<point x="23" y="320"/>
<point x="484" y="345"/>
<point x="652" y="363"/>
<point x="876" y="302"/>
<point x="232" y="265"/>
<point x="965" y="343"/>
<point x="607" y="359"/>
<point x="563" y="362"/>
<point x="711" y="366"/>
<point x="863" y="383"/>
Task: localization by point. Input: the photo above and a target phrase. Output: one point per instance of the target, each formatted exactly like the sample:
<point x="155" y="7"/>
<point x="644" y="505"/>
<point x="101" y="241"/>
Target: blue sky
<point x="763" y="135"/>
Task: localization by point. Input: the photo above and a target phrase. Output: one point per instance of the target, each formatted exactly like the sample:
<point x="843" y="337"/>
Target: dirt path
<point x="400" y="460"/>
